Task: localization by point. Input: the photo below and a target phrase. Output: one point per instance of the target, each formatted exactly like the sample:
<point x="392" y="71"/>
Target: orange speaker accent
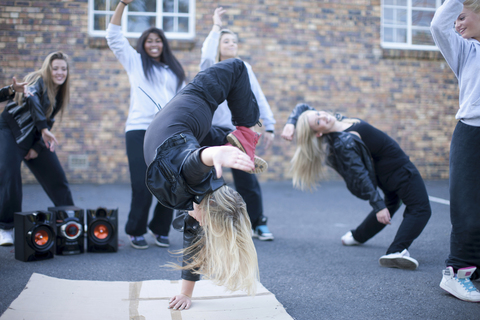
<point x="41" y="238"/>
<point x="101" y="232"/>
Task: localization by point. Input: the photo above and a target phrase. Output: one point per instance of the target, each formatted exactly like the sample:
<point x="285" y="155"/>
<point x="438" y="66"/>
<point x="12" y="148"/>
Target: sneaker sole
<point x="400" y="263"/>
<point x="139" y="247"/>
<point x="260" y="164"/>
<point x="445" y="287"/>
<point x="350" y="244"/>
<point x="159" y="244"/>
<point x="263" y="238"/>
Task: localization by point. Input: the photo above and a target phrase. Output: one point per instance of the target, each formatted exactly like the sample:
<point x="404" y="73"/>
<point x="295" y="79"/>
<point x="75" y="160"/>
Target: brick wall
<point x="325" y="53"/>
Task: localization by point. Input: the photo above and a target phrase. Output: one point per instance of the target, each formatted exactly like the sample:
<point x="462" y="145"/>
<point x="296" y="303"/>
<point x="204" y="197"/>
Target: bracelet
<point x="125" y="4"/>
<point x="11" y="88"/>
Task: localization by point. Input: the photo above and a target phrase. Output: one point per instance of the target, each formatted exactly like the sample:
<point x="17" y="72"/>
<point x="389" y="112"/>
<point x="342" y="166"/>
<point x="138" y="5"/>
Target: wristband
<point x="125" y="4"/>
<point x="216" y="24"/>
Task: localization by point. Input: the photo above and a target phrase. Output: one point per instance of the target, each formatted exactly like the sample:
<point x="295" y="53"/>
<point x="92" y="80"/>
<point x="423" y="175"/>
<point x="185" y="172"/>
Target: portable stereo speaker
<point x="70" y="229"/>
<point x="102" y="230"/>
<point x="34" y="235"/>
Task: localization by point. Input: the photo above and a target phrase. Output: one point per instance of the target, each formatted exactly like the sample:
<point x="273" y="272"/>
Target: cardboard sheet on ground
<point x="48" y="298"/>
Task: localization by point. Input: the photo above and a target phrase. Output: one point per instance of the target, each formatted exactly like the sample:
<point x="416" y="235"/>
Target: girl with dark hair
<point x="25" y="135"/>
<point x="155" y="77"/>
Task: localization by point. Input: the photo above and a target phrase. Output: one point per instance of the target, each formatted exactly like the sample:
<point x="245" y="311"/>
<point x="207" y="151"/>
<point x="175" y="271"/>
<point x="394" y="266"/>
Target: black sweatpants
<point x="46" y="168"/>
<point x="402" y="185"/>
<point x="465" y="198"/>
<point x="141" y="197"/>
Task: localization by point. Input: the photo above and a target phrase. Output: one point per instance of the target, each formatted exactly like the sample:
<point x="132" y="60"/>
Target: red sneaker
<point x="246" y="140"/>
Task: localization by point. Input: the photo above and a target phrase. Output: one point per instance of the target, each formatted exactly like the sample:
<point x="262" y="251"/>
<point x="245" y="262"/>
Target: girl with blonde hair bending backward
<point x="366" y="158"/>
<point x="183" y="175"/>
<point x="460" y="45"/>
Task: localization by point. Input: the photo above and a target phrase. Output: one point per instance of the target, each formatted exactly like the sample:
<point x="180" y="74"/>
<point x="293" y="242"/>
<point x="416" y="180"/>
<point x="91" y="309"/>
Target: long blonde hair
<point x="472" y="5"/>
<point x="310" y="158"/>
<point x="225" y="252"/>
<point x="46" y="74"/>
<point x="222" y="32"/>
<point x="308" y="162"/>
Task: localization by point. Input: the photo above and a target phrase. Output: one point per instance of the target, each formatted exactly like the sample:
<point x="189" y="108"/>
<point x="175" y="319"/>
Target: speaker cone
<point x="101" y="231"/>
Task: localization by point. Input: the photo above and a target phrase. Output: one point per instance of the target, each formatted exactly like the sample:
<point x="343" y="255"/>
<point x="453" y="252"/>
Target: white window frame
<point x="408" y="45"/>
<point x="159" y="20"/>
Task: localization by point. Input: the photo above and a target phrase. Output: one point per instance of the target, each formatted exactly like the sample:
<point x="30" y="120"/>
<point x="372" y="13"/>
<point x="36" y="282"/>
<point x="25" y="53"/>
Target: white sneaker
<point x="6" y="237"/>
<point x="459" y="285"/>
<point x="349" y="240"/>
<point x="401" y="260"/>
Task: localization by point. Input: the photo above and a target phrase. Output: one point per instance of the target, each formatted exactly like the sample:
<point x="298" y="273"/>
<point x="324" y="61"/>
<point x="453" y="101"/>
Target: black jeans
<point x="46" y="168"/>
<point x="141" y="196"/>
<point x="465" y="198"/>
<point x="246" y="184"/>
<point x="402" y="185"/>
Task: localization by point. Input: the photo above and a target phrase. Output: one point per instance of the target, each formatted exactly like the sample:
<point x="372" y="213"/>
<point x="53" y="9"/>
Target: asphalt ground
<point x="306" y="266"/>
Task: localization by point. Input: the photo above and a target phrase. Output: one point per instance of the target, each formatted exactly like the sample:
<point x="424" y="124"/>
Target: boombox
<point x="70" y="229"/>
<point x="102" y="230"/>
<point x="34" y="235"/>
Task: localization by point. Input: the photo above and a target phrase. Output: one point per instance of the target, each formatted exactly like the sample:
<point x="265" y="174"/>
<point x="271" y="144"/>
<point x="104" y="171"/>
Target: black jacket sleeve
<point x="297" y="111"/>
<point x="37" y="104"/>
<point x="5" y="94"/>
<point x="191" y="234"/>
<point x="353" y="163"/>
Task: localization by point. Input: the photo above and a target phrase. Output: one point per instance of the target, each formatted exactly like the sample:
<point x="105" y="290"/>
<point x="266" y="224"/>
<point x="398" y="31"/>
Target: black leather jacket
<point x="177" y="177"/>
<point x="350" y="157"/>
<point x="28" y="119"/>
<point x="5" y="94"/>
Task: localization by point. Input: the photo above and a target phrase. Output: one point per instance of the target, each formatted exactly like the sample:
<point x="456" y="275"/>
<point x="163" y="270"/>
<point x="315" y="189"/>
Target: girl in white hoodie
<point x="456" y="31"/>
<point x="155" y="77"/>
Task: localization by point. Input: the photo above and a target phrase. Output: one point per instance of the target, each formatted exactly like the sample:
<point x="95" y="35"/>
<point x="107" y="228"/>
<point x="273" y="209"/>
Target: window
<point x="175" y="17"/>
<point x="406" y="24"/>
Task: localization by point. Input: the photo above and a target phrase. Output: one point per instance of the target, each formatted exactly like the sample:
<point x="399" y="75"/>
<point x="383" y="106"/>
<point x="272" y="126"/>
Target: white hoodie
<point x="161" y="88"/>
<point x="463" y="56"/>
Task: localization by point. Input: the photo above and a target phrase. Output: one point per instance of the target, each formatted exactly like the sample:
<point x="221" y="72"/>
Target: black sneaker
<point x="160" y="241"/>
<point x="138" y="242"/>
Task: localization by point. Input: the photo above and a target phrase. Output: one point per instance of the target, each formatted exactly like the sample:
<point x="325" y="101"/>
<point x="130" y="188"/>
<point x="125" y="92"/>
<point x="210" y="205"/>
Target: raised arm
<point x="210" y="45"/>
<point x="117" y="15"/>
<point x="446" y="38"/>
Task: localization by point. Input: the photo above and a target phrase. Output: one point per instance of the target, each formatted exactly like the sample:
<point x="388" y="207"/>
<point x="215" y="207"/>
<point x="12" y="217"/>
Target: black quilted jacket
<point x="350" y="157"/>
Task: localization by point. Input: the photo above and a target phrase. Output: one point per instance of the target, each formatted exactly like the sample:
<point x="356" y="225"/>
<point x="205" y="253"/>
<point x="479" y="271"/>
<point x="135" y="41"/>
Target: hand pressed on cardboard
<point x="180" y="302"/>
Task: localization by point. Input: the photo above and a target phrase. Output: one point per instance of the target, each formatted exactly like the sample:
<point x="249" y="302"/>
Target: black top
<point x="386" y="153"/>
